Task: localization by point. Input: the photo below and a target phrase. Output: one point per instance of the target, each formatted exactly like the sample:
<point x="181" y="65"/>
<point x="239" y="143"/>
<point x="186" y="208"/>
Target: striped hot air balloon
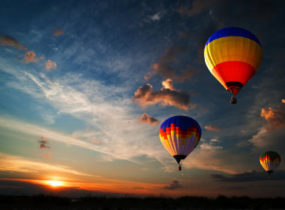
<point x="179" y="135"/>
<point x="270" y="161"/>
<point x="233" y="55"/>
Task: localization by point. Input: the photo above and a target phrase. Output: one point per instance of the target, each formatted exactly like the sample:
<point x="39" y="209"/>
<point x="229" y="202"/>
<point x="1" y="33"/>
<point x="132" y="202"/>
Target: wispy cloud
<point x="50" y="65"/>
<point x="145" y="118"/>
<point x="166" y="96"/>
<point x="164" y="66"/>
<point x="95" y="141"/>
<point x="214" y="140"/>
<point x="264" y="138"/>
<point x="58" y="32"/>
<point x="95" y="104"/>
<point x="36" y="130"/>
<point x="210" y="157"/>
<point x="23" y="165"/>
<point x="212" y="128"/>
<point x="6" y="40"/>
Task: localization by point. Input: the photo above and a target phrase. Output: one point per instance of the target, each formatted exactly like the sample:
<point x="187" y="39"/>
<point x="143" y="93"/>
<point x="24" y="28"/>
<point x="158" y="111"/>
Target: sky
<point x="85" y="86"/>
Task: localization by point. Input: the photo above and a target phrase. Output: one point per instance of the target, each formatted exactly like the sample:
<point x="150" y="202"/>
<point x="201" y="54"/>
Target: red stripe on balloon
<point x="233" y="71"/>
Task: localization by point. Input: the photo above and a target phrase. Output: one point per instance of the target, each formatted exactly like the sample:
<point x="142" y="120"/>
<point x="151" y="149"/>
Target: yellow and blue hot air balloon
<point x="180" y="135"/>
<point x="233" y="55"/>
<point x="270" y="161"/>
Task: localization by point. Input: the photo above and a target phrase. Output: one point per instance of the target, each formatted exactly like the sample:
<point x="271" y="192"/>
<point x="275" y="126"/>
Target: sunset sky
<point x="83" y="93"/>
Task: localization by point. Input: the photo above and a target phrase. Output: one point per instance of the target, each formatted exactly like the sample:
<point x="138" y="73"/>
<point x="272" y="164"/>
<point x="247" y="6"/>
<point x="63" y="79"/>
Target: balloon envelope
<point x="233" y="55"/>
<point x="180" y="135"/>
<point x="270" y="161"/>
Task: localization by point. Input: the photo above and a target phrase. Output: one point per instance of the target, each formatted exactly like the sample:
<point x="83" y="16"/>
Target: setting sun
<point x="55" y="183"/>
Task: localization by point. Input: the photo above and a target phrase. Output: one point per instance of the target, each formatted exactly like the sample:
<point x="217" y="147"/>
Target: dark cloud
<point x="173" y="185"/>
<point x="197" y="39"/>
<point x="165" y="66"/>
<point x="145" y="118"/>
<point x="44" y="144"/>
<point x="225" y="12"/>
<point x="12" y="42"/>
<point x="58" y="32"/>
<point x="145" y="96"/>
<point x="196" y="8"/>
<point x="16" y="187"/>
<point x="252" y="11"/>
<point x="212" y="128"/>
<point x="8" y="187"/>
<point x="249" y="177"/>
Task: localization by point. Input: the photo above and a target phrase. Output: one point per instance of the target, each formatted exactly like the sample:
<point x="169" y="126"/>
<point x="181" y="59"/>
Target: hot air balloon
<point x="233" y="55"/>
<point x="180" y="135"/>
<point x="270" y="161"/>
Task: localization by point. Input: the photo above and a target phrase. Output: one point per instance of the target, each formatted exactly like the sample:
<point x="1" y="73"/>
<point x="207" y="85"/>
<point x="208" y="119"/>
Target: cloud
<point x="167" y="84"/>
<point x="145" y="118"/>
<point x="95" y="141"/>
<point x="12" y="42"/>
<point x="107" y="109"/>
<point x="30" y="57"/>
<point x="274" y="117"/>
<point x="50" y="65"/>
<point x="273" y="139"/>
<point x="157" y="16"/>
<point x="38" y="187"/>
<point x="58" y="32"/>
<point x="249" y="177"/>
<point x="23" y="165"/>
<point x="196" y="8"/>
<point x="212" y="128"/>
<point x="164" y="66"/>
<point x="271" y="135"/>
<point x="145" y="96"/>
<point x="214" y="140"/>
<point x="46" y="155"/>
<point x="211" y="157"/>
<point x="174" y="185"/>
<point x="35" y="130"/>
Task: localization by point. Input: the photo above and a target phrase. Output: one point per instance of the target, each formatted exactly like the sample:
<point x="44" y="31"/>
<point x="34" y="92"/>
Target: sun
<point x="55" y="183"/>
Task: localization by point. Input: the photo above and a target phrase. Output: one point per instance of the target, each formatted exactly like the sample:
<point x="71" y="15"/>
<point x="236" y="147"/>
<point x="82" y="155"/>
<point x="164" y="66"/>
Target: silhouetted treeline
<point x="132" y="203"/>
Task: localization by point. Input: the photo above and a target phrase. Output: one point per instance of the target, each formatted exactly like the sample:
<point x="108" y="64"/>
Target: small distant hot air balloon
<point x="270" y="161"/>
<point x="233" y="55"/>
<point x="180" y="135"/>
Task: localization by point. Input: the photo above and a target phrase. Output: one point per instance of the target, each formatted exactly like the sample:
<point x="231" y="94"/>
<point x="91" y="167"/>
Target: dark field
<point x="122" y="203"/>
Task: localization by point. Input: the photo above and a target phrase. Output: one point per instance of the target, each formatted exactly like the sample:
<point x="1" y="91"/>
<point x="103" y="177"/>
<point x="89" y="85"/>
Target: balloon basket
<point x="233" y="100"/>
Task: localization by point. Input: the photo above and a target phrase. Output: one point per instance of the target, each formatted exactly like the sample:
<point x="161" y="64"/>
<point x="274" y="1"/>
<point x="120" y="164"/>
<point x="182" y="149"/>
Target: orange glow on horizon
<point x="109" y="186"/>
<point x="54" y="183"/>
